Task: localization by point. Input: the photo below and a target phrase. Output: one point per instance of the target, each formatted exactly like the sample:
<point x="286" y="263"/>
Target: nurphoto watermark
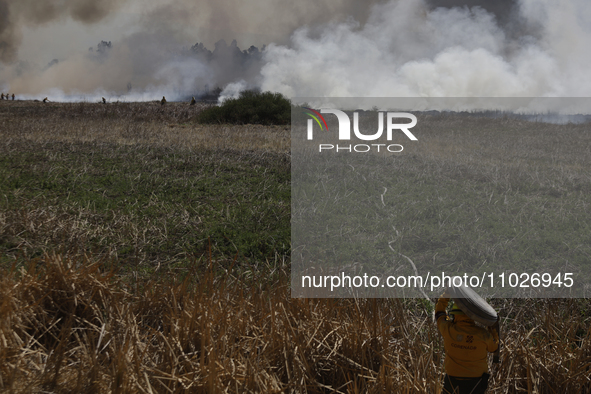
<point x="392" y="196"/>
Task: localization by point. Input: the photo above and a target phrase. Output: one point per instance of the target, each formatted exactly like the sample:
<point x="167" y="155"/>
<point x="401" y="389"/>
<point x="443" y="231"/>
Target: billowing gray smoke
<point x="153" y="55"/>
<point x="502" y="9"/>
<point x="410" y="48"/>
<point x="315" y="48"/>
<point x="16" y="13"/>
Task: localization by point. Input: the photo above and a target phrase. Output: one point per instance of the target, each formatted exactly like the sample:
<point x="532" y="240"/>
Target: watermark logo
<point x="344" y="133"/>
<point x="315" y="115"/>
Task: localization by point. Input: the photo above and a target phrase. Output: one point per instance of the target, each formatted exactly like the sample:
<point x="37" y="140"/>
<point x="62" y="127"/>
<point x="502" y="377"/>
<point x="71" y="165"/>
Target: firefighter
<point x="45" y="100"/>
<point x="466" y="348"/>
<point x="2" y="97"/>
<point x="193" y="101"/>
<point x="12" y="97"/>
<point x="163" y="101"/>
<point x="104" y="101"/>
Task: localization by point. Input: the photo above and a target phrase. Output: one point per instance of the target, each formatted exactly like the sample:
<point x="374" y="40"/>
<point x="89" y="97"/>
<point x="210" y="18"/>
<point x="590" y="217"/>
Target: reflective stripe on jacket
<point x="466" y="344"/>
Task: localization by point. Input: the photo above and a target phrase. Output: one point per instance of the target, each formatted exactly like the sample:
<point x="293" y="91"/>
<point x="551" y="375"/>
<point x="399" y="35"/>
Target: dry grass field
<point x="479" y="194"/>
<point x="144" y="253"/>
<point x="131" y="124"/>
<point x="140" y="183"/>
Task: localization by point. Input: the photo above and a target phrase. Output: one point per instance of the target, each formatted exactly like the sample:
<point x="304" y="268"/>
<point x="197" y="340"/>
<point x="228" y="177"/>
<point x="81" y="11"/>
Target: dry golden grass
<point x="68" y="324"/>
<point x="68" y="327"/>
<point x="133" y="124"/>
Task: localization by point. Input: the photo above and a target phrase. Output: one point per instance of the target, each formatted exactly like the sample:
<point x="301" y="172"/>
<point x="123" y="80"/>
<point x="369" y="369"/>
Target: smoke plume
<point x="161" y="53"/>
<point x="16" y="13"/>
<point x="410" y="48"/>
<point x="343" y="48"/>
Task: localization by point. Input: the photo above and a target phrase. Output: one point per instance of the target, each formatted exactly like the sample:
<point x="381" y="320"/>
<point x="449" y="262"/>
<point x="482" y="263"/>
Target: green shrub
<point x="252" y="107"/>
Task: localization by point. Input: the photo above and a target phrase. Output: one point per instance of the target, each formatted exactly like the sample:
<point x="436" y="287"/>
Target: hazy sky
<point x="39" y="43"/>
<point x="64" y="37"/>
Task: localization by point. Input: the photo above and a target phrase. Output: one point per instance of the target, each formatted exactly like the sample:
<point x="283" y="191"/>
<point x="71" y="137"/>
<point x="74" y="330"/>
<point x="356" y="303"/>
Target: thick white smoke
<point x="409" y="49"/>
<point x="152" y="51"/>
<point x="383" y="48"/>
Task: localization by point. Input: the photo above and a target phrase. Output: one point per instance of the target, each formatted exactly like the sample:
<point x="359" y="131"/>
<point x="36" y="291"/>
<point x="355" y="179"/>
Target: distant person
<point x="13" y="97"/>
<point x="2" y="97"/>
<point x="193" y="101"/>
<point x="104" y="101"/>
<point x="466" y="349"/>
<point x="163" y="101"/>
<point x="45" y="100"/>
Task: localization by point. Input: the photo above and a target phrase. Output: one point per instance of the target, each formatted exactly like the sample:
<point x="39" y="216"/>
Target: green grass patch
<point x="141" y="203"/>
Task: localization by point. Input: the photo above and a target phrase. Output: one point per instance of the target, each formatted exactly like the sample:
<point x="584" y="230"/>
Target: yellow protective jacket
<point x="466" y="344"/>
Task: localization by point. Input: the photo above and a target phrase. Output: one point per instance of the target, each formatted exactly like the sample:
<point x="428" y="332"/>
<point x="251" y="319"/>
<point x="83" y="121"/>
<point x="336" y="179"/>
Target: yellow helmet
<point x="455" y="310"/>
